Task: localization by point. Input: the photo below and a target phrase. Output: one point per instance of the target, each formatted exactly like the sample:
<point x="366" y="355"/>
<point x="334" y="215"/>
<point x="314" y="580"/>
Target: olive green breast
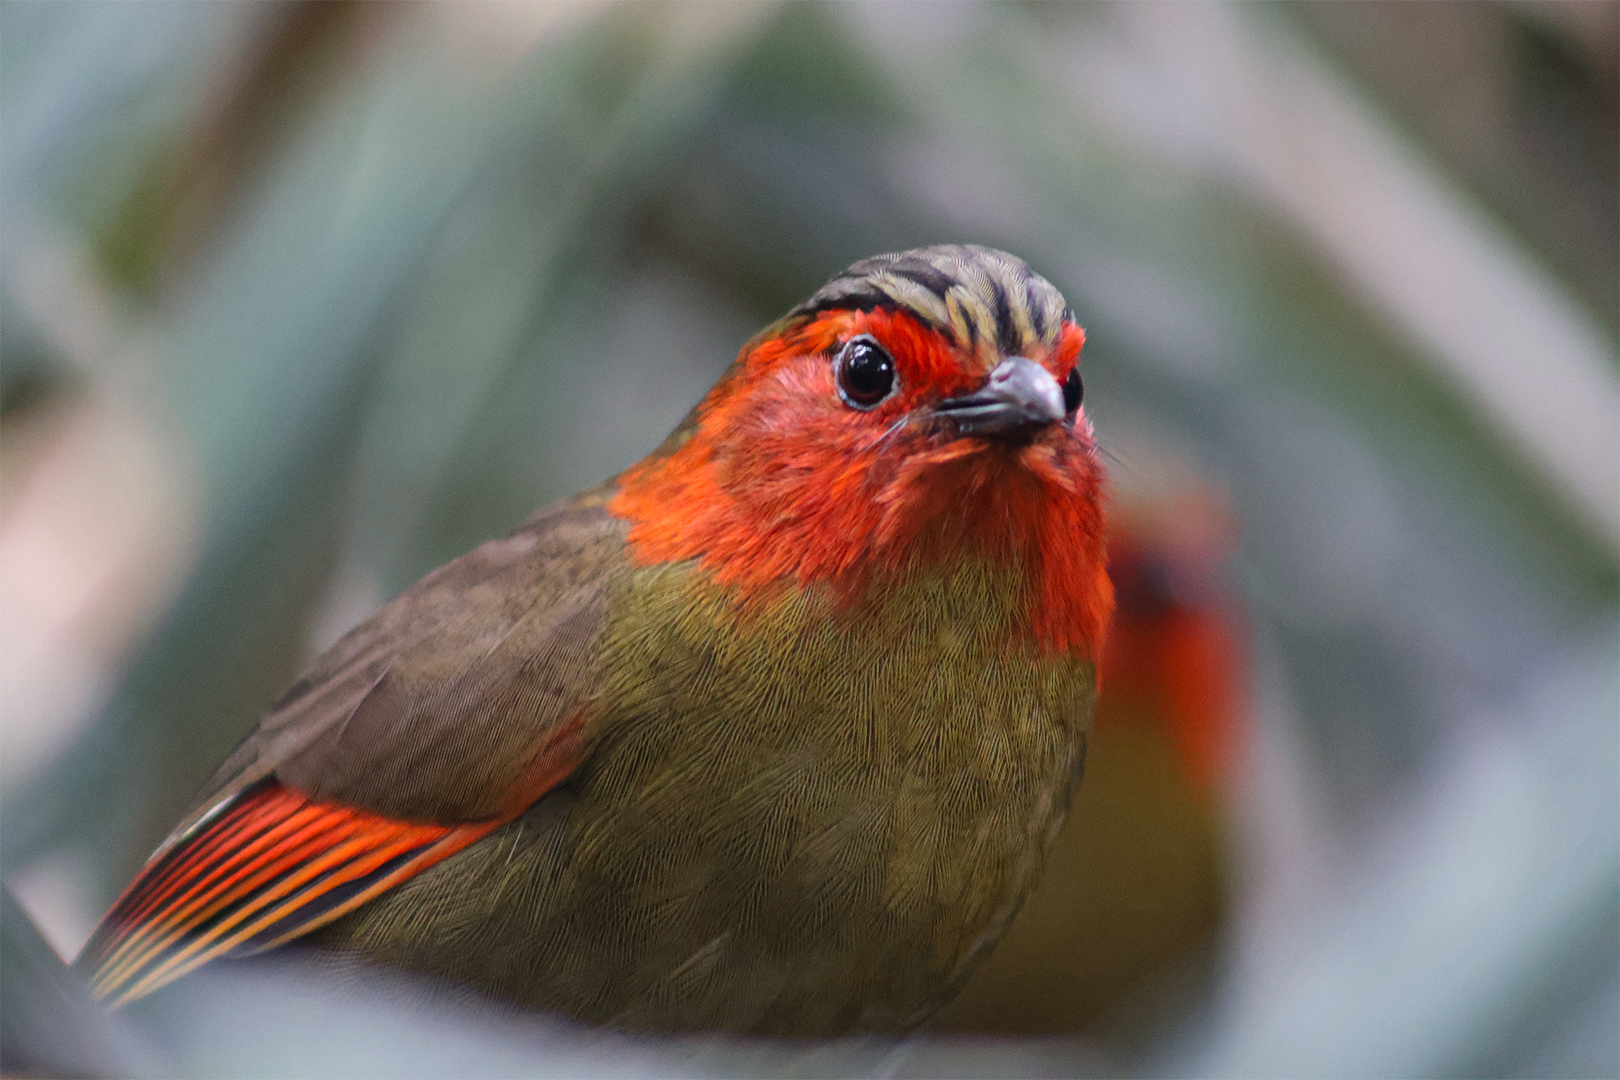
<point x="792" y="820"/>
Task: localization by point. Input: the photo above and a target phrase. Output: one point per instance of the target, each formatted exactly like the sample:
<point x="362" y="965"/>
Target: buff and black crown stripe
<point x="976" y="294"/>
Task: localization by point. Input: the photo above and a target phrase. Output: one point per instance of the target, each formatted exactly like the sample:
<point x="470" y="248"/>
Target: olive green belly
<point x="792" y="821"/>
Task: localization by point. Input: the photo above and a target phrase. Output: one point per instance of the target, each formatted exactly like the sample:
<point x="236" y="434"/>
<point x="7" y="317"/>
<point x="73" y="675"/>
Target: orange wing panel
<point x="272" y="865"/>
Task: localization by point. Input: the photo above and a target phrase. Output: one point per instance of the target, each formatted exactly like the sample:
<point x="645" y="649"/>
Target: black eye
<point x="865" y="373"/>
<point x="1073" y="392"/>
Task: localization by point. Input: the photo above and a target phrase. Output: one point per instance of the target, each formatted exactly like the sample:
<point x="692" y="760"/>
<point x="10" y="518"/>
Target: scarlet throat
<point x="781" y="482"/>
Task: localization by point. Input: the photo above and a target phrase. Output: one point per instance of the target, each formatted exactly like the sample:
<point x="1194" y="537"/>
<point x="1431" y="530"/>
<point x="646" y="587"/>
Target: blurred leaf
<point x="49" y="1026"/>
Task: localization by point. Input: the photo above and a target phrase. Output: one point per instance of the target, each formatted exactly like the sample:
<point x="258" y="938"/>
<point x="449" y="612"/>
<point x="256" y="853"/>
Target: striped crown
<point x="980" y="296"/>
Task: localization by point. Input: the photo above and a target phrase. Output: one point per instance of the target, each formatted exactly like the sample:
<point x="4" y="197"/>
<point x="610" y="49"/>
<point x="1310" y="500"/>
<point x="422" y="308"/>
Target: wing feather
<point x="430" y="725"/>
<point x="272" y="866"/>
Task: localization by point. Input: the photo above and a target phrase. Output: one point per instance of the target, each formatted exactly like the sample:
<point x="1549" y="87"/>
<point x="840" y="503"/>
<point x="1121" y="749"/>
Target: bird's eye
<point x="1073" y="392"/>
<point x="865" y="373"/>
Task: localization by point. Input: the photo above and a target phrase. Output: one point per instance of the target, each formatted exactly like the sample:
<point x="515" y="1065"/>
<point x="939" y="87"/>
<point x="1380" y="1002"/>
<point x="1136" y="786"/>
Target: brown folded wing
<point x="440" y="718"/>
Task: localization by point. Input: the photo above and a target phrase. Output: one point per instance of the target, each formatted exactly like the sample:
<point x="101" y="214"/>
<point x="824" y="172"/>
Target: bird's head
<point x="920" y="407"/>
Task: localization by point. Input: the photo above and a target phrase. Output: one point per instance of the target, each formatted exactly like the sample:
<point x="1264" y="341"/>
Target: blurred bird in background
<point x="1134" y="894"/>
<point x="298" y="302"/>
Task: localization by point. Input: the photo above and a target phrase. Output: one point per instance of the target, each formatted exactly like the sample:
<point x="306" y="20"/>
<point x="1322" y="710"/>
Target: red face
<point x="866" y="443"/>
<point x="883" y="383"/>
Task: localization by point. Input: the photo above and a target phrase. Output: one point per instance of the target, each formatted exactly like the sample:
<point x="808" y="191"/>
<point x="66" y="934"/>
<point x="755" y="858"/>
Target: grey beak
<point x="1019" y="397"/>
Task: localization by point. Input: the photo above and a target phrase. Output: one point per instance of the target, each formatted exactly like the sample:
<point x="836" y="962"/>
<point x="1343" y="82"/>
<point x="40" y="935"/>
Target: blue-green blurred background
<point x="298" y="301"/>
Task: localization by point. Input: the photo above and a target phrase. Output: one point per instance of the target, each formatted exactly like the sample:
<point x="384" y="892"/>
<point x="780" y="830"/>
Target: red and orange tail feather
<point x="273" y="865"/>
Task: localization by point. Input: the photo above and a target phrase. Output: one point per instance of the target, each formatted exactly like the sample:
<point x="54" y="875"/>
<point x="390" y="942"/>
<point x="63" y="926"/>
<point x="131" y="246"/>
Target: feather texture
<point x="272" y="865"/>
<point x="430" y="725"/>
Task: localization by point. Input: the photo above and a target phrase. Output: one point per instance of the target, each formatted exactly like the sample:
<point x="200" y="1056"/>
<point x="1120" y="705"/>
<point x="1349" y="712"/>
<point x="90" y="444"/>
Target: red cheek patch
<point x="783" y="482"/>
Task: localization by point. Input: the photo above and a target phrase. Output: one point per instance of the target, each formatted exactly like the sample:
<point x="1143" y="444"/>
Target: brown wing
<point x="446" y="714"/>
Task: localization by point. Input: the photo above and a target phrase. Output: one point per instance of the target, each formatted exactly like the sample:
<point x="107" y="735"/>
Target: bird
<point x="769" y="734"/>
